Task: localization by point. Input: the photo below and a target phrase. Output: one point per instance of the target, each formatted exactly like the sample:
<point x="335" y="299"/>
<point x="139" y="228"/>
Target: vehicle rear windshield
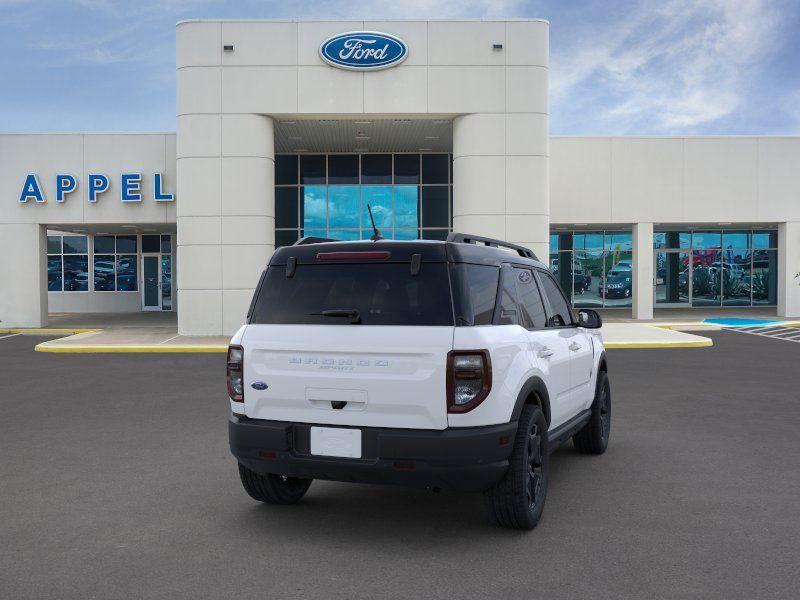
<point x="379" y="293"/>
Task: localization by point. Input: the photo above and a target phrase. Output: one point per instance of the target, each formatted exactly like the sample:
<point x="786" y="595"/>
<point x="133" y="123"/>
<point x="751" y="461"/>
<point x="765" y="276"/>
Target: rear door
<point x="579" y="344"/>
<point x="549" y="346"/>
<point x="381" y="365"/>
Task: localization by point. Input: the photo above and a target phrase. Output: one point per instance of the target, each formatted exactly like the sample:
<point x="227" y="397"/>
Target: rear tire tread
<point x="591" y="439"/>
<point x="506" y="502"/>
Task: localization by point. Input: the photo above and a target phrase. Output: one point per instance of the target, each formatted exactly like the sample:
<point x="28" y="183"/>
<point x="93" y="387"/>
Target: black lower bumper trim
<point x="464" y="459"/>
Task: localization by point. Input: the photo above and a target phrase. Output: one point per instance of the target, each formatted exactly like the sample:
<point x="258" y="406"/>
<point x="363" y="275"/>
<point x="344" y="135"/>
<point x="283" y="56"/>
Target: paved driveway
<point x="117" y="483"/>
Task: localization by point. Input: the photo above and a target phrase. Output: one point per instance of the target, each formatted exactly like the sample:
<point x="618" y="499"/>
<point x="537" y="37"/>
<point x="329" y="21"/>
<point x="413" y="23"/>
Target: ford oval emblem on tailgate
<point x="259" y="385"/>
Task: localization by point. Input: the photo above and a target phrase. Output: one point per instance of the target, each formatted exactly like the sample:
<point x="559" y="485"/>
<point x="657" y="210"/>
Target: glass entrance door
<point x="151" y="276"/>
<point x="672" y="271"/>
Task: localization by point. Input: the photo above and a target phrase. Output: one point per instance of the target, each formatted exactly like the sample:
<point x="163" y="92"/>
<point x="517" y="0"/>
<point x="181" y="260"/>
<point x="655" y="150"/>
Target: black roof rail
<point x="465" y="238"/>
<point x="312" y="240"/>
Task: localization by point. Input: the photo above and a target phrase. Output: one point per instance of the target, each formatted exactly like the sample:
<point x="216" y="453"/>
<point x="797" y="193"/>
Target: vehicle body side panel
<point x="508" y="350"/>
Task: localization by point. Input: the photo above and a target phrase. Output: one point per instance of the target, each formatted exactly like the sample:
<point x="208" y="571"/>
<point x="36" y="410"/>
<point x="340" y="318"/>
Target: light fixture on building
<point x="402" y="121"/>
<point x="497" y="46"/>
<point x="228" y="47"/>
<point x="363" y="122"/>
<point x="361" y="150"/>
<point x="728" y="223"/>
<point x="288" y="122"/>
<point x="432" y="137"/>
<point x="426" y="149"/>
<point x="128" y="226"/>
<point x="301" y="150"/>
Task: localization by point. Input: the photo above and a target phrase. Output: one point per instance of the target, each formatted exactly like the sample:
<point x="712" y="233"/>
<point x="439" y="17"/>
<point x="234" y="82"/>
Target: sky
<point x="630" y="67"/>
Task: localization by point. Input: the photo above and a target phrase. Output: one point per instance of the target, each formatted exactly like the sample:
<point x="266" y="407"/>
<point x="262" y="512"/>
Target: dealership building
<point x="288" y="129"/>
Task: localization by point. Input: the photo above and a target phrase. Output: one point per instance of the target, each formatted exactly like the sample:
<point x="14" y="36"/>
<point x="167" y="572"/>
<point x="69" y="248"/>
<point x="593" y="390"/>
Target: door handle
<point x="574" y="346"/>
<point x="545" y="352"/>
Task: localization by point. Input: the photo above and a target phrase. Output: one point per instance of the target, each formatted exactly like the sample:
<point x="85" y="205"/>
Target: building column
<point x="642" y="271"/>
<point x="23" y="273"/>
<point x="501" y="178"/>
<point x="226" y="222"/>
<point x="788" y="269"/>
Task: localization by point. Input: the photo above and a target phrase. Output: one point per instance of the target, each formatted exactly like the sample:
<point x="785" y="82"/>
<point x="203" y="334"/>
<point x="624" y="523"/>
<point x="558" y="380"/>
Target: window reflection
<point x="765" y="277"/>
<point x="408" y="192"/>
<point x="719" y="268"/>
<point x="54" y="279"/>
<point x="379" y="199"/>
<point x="587" y="273"/>
<point x="76" y="273"/>
<point x="406" y="206"/>
<point x="314" y="206"/>
<point x="343" y="205"/>
<point x="672" y="278"/>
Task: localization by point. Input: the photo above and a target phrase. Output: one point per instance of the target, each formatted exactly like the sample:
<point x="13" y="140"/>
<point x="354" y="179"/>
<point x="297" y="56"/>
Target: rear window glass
<point x="475" y="292"/>
<point x="382" y="294"/>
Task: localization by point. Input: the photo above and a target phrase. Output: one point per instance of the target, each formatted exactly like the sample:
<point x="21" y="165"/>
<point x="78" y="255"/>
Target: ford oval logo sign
<point x="363" y="50"/>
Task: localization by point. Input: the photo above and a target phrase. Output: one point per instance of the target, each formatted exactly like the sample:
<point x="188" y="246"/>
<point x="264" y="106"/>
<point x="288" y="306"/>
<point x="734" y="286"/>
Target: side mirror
<point x="590" y="319"/>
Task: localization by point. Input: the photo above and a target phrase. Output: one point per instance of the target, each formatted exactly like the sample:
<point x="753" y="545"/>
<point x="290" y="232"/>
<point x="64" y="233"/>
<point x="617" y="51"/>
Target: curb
<point x="45" y="331"/>
<point x="704" y="343"/>
<point x="98" y="349"/>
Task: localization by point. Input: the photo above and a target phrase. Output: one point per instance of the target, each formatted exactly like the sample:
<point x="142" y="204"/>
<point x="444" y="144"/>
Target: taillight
<point x="469" y="379"/>
<point x="235" y="373"/>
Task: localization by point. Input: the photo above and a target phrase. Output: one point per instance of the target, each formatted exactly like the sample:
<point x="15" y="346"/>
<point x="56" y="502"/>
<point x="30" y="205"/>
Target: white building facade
<point x="277" y="140"/>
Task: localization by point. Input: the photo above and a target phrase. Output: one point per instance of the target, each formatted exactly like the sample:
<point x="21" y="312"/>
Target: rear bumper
<point x="464" y="459"/>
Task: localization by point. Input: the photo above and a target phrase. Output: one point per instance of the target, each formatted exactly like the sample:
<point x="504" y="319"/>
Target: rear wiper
<point x="352" y="314"/>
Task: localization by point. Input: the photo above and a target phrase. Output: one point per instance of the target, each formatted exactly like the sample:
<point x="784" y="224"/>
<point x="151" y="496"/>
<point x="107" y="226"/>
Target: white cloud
<point x="669" y="69"/>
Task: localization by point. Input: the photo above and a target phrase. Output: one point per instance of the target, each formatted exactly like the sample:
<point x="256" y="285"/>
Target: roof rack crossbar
<point x="312" y="240"/>
<point x="465" y="238"/>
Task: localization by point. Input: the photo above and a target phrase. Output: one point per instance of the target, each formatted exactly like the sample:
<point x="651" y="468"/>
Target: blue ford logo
<point x="363" y="50"/>
<point x="259" y="385"/>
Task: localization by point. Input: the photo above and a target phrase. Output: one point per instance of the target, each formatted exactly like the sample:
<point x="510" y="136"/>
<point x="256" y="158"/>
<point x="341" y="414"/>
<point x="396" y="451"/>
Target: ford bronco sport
<point x="453" y="365"/>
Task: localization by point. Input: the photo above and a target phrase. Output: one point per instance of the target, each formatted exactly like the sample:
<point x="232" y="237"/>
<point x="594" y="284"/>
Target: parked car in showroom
<point x="582" y="280"/>
<point x="453" y="365"/>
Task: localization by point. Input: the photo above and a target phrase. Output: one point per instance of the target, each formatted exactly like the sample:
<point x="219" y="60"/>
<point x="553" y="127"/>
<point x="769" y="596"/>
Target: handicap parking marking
<point x="776" y="332"/>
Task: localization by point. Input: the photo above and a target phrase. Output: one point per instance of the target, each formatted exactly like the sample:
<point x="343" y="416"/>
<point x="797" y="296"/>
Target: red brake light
<point x="369" y="255"/>
<point x="469" y="379"/>
<point x="235" y="373"/>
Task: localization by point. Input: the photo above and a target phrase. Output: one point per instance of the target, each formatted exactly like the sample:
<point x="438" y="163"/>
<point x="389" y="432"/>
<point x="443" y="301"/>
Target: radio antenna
<point x="377" y="235"/>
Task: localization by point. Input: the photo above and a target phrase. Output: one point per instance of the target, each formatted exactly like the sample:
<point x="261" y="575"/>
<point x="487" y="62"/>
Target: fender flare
<point x="602" y="362"/>
<point x="534" y="385"/>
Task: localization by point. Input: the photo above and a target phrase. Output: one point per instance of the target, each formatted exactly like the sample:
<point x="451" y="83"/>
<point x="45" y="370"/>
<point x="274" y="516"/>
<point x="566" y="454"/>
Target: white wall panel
<point x="259" y="43"/>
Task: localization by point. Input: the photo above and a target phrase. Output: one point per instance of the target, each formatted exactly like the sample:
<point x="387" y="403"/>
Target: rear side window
<point x="381" y="293"/>
<point x="530" y="300"/>
<point x="559" y="306"/>
<point x="474" y="293"/>
<point x="508" y="298"/>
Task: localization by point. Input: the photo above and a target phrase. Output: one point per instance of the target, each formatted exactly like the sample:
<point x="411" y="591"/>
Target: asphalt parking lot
<point x="116" y="482"/>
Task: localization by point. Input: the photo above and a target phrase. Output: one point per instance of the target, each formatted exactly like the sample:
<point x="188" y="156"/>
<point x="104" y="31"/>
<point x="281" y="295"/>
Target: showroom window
<point x="716" y="267"/>
<point x="594" y="268"/>
<point x="67" y="263"/>
<point x="326" y="195"/>
<point x="115" y="263"/>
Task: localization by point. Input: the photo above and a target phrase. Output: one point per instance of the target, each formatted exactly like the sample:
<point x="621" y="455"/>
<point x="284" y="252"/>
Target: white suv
<point x="445" y="365"/>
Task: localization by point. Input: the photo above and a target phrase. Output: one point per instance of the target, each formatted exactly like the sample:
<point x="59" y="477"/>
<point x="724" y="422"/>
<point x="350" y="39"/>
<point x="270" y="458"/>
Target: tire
<point x="593" y="438"/>
<point x="517" y="501"/>
<point x="273" y="489"/>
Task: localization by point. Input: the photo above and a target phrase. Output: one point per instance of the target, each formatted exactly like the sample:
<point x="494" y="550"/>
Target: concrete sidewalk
<point x="644" y="335"/>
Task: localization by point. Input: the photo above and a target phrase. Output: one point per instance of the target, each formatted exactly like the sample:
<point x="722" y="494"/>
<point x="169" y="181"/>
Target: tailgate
<point x="341" y="374"/>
